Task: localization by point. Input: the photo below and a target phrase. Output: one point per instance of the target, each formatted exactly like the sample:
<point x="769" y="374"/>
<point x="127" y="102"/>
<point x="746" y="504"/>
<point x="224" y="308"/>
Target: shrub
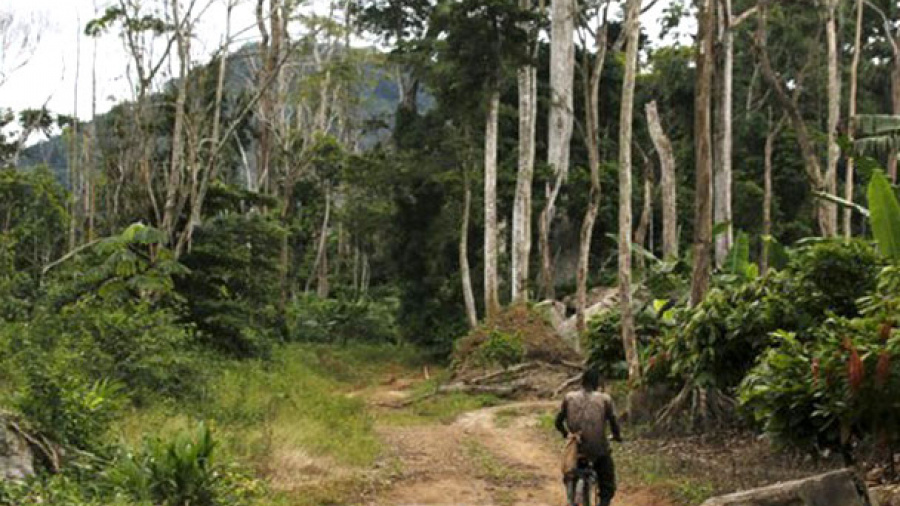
<point x="181" y="471"/>
<point x="500" y="349"/>
<point x="715" y="343"/>
<point x="311" y="319"/>
<point x="67" y="406"/>
<point x="819" y="393"/>
<point x="233" y="287"/>
<point x="603" y="341"/>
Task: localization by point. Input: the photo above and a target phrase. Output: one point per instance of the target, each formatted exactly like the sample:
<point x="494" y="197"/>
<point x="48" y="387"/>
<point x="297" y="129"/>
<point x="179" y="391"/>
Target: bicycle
<point x="584" y="487"/>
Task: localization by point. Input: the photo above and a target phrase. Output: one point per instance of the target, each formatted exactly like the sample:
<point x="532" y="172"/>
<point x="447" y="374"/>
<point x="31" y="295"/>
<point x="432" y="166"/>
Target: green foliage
<point x="885" y="216"/>
<point x="311" y="319"/>
<point x="717" y="342"/>
<point x="181" y="471"/>
<point x="32" y="232"/>
<point x="502" y="349"/>
<point x="67" y="406"/>
<point x="603" y="340"/>
<point x="876" y="134"/>
<point x="55" y="489"/>
<point x="738" y="263"/>
<point x="233" y="287"/>
<point x="842" y="382"/>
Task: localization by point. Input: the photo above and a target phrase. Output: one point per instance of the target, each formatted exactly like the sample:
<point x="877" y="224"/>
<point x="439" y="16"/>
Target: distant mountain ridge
<point x="379" y="97"/>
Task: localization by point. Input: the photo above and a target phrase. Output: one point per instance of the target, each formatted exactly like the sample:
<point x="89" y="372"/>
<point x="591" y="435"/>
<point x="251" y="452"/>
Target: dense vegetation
<point x="185" y="278"/>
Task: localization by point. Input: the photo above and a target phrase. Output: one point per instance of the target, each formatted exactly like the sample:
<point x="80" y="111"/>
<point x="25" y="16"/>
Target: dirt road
<point x="494" y="456"/>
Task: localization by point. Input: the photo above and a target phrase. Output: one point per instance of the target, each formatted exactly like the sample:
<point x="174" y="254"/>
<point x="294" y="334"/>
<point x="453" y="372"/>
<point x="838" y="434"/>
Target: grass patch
<point x="296" y="402"/>
<point x="488" y="467"/>
<point x="659" y="472"/>
<point x="503" y="418"/>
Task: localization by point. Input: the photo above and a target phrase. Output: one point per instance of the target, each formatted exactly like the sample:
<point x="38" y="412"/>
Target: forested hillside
<point x="283" y="265"/>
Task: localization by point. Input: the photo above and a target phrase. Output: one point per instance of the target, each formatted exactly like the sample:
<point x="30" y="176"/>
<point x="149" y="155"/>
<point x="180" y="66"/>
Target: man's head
<point x="590" y="379"/>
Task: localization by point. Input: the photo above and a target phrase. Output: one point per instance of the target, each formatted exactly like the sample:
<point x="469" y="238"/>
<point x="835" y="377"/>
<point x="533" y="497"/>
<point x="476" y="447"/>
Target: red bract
<point x="883" y="369"/>
<point x="855" y="370"/>
<point x="884" y="330"/>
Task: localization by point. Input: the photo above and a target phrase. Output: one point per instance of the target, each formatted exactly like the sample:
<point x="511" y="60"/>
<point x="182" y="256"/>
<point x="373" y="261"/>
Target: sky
<point x="48" y="75"/>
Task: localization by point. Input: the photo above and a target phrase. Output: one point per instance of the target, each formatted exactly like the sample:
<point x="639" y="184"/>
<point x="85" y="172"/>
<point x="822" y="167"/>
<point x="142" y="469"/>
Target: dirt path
<point x="493" y="456"/>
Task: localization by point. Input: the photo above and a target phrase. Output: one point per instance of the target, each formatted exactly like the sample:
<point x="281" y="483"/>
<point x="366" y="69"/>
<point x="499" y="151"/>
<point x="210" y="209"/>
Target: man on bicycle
<point x="586" y="412"/>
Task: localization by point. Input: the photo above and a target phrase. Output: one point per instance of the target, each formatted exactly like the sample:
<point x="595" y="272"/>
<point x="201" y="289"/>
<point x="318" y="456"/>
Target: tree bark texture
<point x="851" y="112"/>
<point x="724" y="136"/>
<point x="560" y="123"/>
<point x="668" y="183"/>
<point x="464" y="269"/>
<point x="592" y="74"/>
<point x="491" y="288"/>
<point x="521" y="222"/>
<point x="703" y="149"/>
<point x="629" y="340"/>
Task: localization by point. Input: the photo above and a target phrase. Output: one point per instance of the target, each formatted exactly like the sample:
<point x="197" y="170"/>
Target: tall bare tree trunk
<point x="703" y="150"/>
<point x="851" y="112"/>
<point x="76" y="179"/>
<point x="895" y="103"/>
<point x="827" y="225"/>
<point x="491" y="288"/>
<point x="321" y="249"/>
<point x="724" y="137"/>
<point x="771" y="136"/>
<point x="464" y="269"/>
<point x="642" y="232"/>
<point x="176" y="163"/>
<point x="629" y="340"/>
<point x="668" y="184"/>
<point x="560" y="123"/>
<point x="591" y="76"/>
<point x="834" y="109"/>
<point x="521" y="223"/>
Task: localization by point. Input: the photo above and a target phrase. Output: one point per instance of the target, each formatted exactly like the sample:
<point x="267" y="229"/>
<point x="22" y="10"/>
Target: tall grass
<point x="300" y="403"/>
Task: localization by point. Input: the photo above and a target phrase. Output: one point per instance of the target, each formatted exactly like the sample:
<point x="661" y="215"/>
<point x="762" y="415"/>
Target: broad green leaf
<point x="885" y="216"/>
<point x="721" y="228"/>
<point x="739" y="256"/>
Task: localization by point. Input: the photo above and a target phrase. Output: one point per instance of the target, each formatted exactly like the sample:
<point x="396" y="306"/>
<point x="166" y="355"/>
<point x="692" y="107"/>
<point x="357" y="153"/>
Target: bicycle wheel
<point x="587" y="492"/>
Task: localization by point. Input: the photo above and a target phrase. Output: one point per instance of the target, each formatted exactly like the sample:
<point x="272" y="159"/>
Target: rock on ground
<point x="887" y="495"/>
<point x="837" y="488"/>
<point x="16" y="457"/>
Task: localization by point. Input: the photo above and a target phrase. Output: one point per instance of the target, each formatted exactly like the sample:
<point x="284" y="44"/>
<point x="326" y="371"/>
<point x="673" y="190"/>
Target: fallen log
<point x="498" y="390"/>
<point x="504" y="373"/>
<point x="574" y="380"/>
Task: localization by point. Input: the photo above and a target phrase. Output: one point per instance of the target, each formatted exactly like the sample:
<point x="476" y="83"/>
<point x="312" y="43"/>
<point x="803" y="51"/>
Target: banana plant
<point x="876" y="134"/>
<point x="884" y="211"/>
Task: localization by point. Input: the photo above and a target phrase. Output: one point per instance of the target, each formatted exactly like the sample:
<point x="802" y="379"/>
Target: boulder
<point x="837" y="488"/>
<point x="16" y="457"/>
<point x="886" y="495"/>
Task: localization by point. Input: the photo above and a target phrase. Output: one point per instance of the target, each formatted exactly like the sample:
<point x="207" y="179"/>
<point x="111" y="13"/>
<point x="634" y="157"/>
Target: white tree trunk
<point x="491" y="288"/>
<point x="560" y="122"/>
<point x="464" y="269"/>
<point x="629" y="340"/>
<point x="724" y="136"/>
<point x="834" y="109"/>
<point x="521" y="222"/>
<point x="851" y="112"/>
<point x="668" y="183"/>
<point x="592" y="73"/>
